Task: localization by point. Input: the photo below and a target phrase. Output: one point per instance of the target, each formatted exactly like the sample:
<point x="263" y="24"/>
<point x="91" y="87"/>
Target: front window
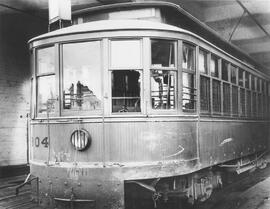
<point x="163" y="74"/>
<point x="163" y="53"/>
<point x="46" y="87"/>
<point x="82" y="76"/>
<point x="126" y="75"/>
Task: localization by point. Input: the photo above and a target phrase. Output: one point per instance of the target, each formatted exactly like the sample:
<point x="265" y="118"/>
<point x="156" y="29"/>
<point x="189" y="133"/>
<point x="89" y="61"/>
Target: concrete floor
<point x="257" y="197"/>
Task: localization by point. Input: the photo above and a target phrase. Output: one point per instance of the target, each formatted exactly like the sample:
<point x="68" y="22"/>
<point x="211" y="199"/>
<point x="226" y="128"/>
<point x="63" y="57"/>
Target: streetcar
<point x="141" y="102"/>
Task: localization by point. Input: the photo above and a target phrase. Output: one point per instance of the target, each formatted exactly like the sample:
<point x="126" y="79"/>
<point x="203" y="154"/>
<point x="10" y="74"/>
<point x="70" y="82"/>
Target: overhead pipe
<point x="253" y="18"/>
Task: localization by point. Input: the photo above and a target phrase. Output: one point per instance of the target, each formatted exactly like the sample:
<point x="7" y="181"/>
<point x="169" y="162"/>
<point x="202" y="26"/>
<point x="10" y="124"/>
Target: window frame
<point x="110" y="69"/>
<point x="74" y="113"/>
<point x="206" y="76"/>
<point x="37" y="75"/>
<point x="216" y="79"/>
<point x="174" y="69"/>
<point x="194" y="73"/>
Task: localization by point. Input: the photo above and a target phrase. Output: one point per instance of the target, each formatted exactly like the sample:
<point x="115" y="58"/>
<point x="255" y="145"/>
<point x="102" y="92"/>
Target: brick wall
<point x="15" y="30"/>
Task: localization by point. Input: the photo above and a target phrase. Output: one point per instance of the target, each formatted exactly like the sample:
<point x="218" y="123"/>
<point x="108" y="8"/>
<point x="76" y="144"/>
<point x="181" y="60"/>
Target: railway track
<point x="8" y="198"/>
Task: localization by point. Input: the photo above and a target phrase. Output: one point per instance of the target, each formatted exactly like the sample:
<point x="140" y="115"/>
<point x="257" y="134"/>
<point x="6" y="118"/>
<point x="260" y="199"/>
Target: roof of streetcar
<point x="110" y="25"/>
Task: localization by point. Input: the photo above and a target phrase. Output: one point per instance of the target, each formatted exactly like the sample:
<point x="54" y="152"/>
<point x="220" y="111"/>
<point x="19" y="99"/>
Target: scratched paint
<point x="225" y="141"/>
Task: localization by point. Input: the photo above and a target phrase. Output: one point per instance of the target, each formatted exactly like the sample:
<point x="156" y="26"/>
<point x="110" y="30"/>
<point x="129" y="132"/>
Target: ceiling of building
<point x="245" y="23"/>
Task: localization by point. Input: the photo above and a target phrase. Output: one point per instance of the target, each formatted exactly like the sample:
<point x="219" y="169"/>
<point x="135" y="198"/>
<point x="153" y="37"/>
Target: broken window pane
<point x="163" y="53"/>
<point x="82" y="76"/>
<point x="188" y="57"/>
<point x="163" y="89"/>
<point x="126" y="91"/>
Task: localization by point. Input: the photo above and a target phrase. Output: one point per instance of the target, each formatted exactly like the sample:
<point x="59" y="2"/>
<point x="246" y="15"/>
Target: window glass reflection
<point x="46" y="96"/>
<point x="45" y="60"/>
<point x="163" y="53"/>
<point x="82" y="76"/>
<point x="163" y="89"/>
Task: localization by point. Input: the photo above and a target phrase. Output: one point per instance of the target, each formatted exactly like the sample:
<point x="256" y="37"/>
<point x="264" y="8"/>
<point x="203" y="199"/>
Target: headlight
<point x="80" y="139"/>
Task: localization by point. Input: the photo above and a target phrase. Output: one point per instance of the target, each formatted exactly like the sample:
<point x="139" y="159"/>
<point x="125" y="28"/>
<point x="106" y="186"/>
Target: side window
<point x="253" y="86"/>
<point x="125" y="66"/>
<point x="226" y="99"/>
<point x="225" y="70"/>
<point x="188" y="78"/>
<point x="163" y="74"/>
<point x="216" y="84"/>
<point x="214" y="66"/>
<point x="247" y="80"/>
<point x="204" y="82"/>
<point x="203" y="65"/>
<point x="248" y="94"/>
<point x="234" y="90"/>
<point x="233" y="74"/>
<point x="82" y="76"/>
<point x="241" y="75"/>
<point x="46" y="83"/>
